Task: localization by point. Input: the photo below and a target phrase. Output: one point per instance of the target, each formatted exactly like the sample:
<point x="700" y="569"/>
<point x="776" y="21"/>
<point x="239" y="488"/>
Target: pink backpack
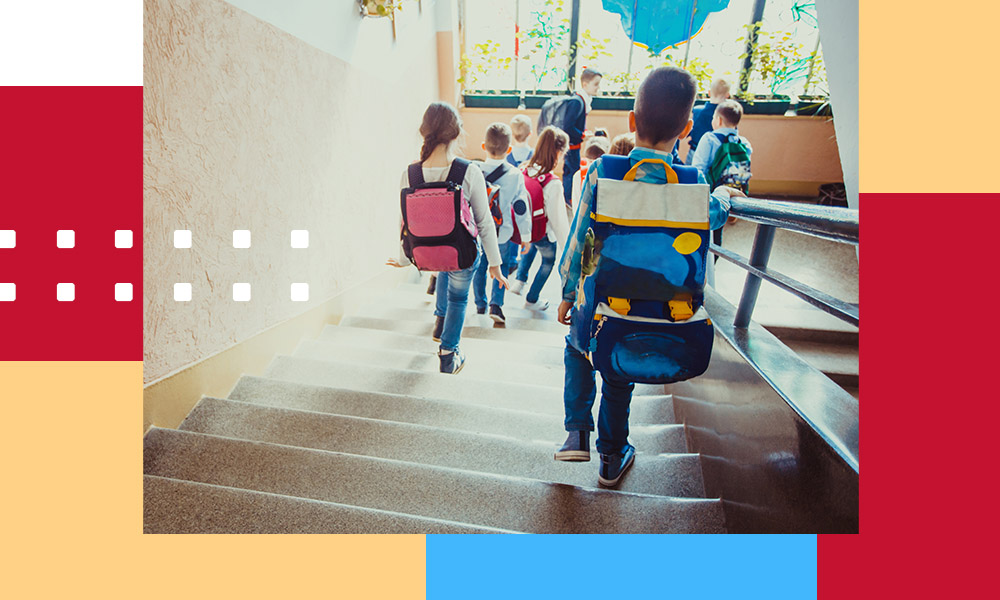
<point x="439" y="232"/>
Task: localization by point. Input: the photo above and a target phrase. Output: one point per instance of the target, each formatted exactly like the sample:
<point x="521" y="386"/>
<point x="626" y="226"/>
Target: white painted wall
<point x="838" y="30"/>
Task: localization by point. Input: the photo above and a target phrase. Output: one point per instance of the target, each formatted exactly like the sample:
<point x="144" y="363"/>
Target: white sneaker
<point x="539" y="306"/>
<point x="514" y="286"/>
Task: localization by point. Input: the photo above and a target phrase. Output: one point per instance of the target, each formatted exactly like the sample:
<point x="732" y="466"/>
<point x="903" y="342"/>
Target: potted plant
<point x="771" y="55"/>
<point x="379" y="8"/>
<point x="484" y="64"/>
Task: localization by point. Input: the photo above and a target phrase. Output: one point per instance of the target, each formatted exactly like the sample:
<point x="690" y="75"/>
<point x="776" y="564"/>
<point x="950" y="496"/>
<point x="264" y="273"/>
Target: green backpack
<point x="731" y="166"/>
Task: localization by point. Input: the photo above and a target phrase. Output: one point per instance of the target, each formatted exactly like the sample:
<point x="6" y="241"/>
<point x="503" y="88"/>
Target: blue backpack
<point x="639" y="314"/>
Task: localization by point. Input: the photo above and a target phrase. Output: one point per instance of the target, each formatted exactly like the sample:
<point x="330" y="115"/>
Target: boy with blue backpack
<point x="633" y="274"/>
<point x="508" y="201"/>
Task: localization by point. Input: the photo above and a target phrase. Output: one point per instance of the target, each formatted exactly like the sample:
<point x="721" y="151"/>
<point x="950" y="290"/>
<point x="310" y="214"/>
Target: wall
<point x="838" y="27"/>
<point x="247" y="126"/>
<point x="791" y="155"/>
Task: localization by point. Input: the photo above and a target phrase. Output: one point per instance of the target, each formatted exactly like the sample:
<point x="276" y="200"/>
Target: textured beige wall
<point x="249" y="127"/>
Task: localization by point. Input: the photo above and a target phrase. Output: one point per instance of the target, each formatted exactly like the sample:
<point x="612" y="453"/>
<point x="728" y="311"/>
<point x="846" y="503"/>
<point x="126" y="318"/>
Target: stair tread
<point x="178" y="506"/>
<point x="490" y="365"/>
<point x="650" y="435"/>
<point x="478" y="330"/>
<point x="677" y="475"/>
<point x="828" y="358"/>
<point x="510" y="503"/>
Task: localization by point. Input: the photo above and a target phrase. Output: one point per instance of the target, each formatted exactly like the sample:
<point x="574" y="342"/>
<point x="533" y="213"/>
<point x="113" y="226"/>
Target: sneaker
<point x="438" y="329"/>
<point x="432" y="286"/>
<point x="514" y="286"/>
<point x="614" y="466"/>
<point x="576" y="448"/>
<point x="496" y="314"/>
<point x="539" y="306"/>
<point x="480" y="310"/>
<point x="452" y="362"/>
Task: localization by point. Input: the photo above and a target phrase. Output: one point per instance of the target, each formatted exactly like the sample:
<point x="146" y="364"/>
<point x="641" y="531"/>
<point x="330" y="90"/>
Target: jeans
<point x="578" y="401"/>
<point x="571" y="164"/>
<point x="547" y="250"/>
<point x="508" y="250"/>
<point x="451" y="299"/>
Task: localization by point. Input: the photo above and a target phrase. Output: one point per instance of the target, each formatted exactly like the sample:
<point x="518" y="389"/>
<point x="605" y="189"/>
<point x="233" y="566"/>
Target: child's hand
<point x="525" y="246"/>
<point x="564" y="308"/>
<point x="730" y="191"/>
<point x="392" y="262"/>
<point x="495" y="273"/>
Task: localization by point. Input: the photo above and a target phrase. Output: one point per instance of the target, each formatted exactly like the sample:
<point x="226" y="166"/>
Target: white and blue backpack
<point x="639" y="315"/>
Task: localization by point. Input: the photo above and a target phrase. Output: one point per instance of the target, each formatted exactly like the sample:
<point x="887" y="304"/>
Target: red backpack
<point x="539" y="222"/>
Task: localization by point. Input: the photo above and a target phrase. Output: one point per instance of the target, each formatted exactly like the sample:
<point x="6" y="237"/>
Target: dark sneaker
<point x="496" y="314"/>
<point x="432" y="286"/>
<point x="451" y="362"/>
<point x="438" y="329"/>
<point x="614" y="466"/>
<point x="576" y="448"/>
<point x="480" y="310"/>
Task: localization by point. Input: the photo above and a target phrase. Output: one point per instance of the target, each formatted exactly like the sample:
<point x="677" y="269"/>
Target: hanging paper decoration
<point x="662" y="23"/>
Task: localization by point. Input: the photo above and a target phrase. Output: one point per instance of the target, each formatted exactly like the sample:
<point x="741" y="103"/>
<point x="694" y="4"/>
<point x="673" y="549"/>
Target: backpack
<point x="539" y="221"/>
<point x="556" y="112"/>
<point x="439" y="231"/>
<point x="493" y="193"/>
<point x="513" y="161"/>
<point x="731" y="165"/>
<point x="639" y="314"/>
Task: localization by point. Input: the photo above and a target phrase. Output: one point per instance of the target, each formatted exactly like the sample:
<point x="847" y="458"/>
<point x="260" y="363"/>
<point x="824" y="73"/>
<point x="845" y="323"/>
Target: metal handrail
<point x="827" y="222"/>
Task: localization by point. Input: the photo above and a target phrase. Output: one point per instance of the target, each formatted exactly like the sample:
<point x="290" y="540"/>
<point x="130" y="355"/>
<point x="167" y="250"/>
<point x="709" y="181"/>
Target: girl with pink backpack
<point x="445" y="219"/>
<point x="548" y="206"/>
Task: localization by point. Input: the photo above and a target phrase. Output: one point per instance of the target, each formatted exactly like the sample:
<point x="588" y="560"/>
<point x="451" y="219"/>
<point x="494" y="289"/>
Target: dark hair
<point x="730" y="111"/>
<point x="622" y="144"/>
<point x="497" y="138"/>
<point x="551" y="141"/>
<point x="663" y="104"/>
<point x="588" y="74"/>
<point x="441" y="125"/>
<point x="600" y="132"/>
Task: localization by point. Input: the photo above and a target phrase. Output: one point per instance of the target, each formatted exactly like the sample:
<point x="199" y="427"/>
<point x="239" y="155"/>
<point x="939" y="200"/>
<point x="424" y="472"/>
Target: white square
<point x="8" y="238"/>
<point x="182" y="238"/>
<point x="123" y="238"/>
<point x="300" y="292"/>
<point x="65" y="238"/>
<point x="123" y="292"/>
<point x="300" y="238"/>
<point x="8" y="292"/>
<point x="241" y="292"/>
<point x="182" y="292"/>
<point x="241" y="238"/>
<point x="65" y="292"/>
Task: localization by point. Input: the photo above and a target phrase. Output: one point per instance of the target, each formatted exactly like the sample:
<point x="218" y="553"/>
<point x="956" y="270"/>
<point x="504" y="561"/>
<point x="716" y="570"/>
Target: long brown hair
<point x="441" y="125"/>
<point x="551" y="141"/>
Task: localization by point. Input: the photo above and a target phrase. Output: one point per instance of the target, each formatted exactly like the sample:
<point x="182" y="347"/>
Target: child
<point x="704" y="114"/>
<point x="661" y="116"/>
<point x="520" y="127"/>
<point x="549" y="152"/>
<point x="733" y="167"/>
<point x="593" y="148"/>
<point x="622" y="144"/>
<point x="512" y="202"/>
<point x="441" y="128"/>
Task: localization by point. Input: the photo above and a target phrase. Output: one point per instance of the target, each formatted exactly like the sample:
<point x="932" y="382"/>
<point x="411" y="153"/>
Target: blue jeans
<point x="571" y="164"/>
<point x="547" y="250"/>
<point x="451" y="299"/>
<point x="578" y="401"/>
<point x="508" y="250"/>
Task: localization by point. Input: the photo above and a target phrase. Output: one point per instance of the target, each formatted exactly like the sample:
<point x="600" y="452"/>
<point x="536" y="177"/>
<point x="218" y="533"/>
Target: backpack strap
<point x="415" y="173"/>
<point x="456" y="174"/>
<point x="497" y="173"/>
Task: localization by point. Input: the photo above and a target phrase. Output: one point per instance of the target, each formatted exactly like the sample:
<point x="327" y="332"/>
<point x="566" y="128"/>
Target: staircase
<point x="357" y="432"/>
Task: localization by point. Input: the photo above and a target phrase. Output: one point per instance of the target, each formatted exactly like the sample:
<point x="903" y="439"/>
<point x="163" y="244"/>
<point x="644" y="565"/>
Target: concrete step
<point x="489" y="364"/>
<point x="478" y="330"/>
<point x="458" y="388"/>
<point x="677" y="475"/>
<point x="509" y="503"/>
<point x="513" y="306"/>
<point x="175" y="506"/>
<point x="839" y="362"/>
<point x="426" y="315"/>
<point x="380" y="338"/>
<point x="489" y="420"/>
